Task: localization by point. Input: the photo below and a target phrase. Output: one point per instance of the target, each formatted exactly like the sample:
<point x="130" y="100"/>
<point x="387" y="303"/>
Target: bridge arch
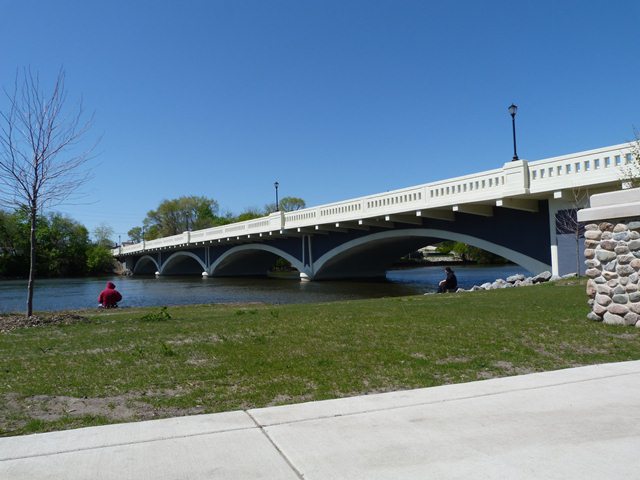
<point x="223" y="264"/>
<point x="411" y="239"/>
<point x="143" y="261"/>
<point x="175" y="258"/>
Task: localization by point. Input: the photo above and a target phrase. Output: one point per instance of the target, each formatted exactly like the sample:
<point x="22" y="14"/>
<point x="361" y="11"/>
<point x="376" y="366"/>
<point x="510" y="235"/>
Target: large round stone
<point x="634" y="307"/>
<point x="592" y="263"/>
<point x="605" y="227"/>
<point x="619" y="289"/>
<point x="606" y="236"/>
<point x="594" y="316"/>
<point x="635" y="263"/>
<point x="608" y="245"/>
<point x="634" y="245"/>
<point x="621" y="249"/>
<point x="603" y="289"/>
<point x="603" y="300"/>
<point x="592" y="272"/>
<point x="617" y="309"/>
<point x="599" y="309"/>
<point x="622" y="236"/>
<point x="620" y="227"/>
<point x="634" y="297"/>
<point x="611" y="266"/>
<point x="631" y="288"/>
<point x="612" y="319"/>
<point x="591" y="243"/>
<point x="591" y="226"/>
<point x="631" y="318"/>
<point x="621" y="298"/>
<point x="624" y="270"/>
<point x="605" y="255"/>
<point x="593" y="235"/>
<point x="626" y="259"/>
<point x="609" y="275"/>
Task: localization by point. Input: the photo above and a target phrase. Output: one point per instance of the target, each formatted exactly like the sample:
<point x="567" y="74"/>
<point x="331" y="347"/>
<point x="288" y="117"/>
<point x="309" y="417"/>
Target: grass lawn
<point x="133" y="364"/>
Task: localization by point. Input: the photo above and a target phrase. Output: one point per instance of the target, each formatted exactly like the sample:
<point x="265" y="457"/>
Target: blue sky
<point x="333" y="99"/>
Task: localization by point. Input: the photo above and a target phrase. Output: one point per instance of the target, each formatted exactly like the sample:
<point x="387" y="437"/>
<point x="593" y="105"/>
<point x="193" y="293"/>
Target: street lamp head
<point x="276" y="184"/>
<point x="513" y="109"/>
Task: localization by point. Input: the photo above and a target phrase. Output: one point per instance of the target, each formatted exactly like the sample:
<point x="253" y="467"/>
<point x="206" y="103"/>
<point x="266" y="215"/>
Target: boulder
<point x="626" y="259"/>
<point x="621" y="298"/>
<point x="617" y="309"/>
<point x="624" y="270"/>
<point x="515" y="278"/>
<point x="621" y="249"/>
<point x="603" y="300"/>
<point x="634" y="245"/>
<point x="605" y="255"/>
<point x="593" y="235"/>
<point x="599" y="309"/>
<point x="612" y="319"/>
<point x="594" y="317"/>
<point x="622" y="236"/>
<point x="542" y="277"/>
<point x="631" y="318"/>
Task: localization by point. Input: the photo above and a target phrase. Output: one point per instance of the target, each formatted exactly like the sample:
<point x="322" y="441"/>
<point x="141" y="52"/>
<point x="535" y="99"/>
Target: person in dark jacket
<point x="449" y="283"/>
<point x="109" y="297"/>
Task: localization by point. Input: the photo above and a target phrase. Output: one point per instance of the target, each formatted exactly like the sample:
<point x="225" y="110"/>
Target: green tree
<point x="99" y="260"/>
<point x="64" y="246"/>
<point x="179" y="215"/>
<point x="249" y="214"/>
<point x="135" y="234"/>
<point x="289" y="204"/>
<point x="14" y="244"/>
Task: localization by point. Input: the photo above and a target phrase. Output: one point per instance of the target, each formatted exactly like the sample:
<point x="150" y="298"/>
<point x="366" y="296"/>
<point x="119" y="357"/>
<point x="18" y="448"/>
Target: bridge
<point x="520" y="212"/>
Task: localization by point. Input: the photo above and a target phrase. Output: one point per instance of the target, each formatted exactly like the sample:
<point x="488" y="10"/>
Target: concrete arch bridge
<point x="522" y="211"/>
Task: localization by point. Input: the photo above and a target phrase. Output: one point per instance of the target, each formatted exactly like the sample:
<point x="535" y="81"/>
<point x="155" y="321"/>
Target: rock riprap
<point x="612" y="253"/>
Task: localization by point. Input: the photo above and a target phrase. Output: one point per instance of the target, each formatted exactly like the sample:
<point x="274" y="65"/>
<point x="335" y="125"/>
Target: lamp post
<point x="513" y="109"/>
<point x="276" y="184"/>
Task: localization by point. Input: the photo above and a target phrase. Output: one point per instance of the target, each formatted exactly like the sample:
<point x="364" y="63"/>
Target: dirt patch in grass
<point x="16" y="411"/>
<point x="13" y="321"/>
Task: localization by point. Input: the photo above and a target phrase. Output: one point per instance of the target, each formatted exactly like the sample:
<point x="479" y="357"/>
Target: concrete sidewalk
<point x="579" y="423"/>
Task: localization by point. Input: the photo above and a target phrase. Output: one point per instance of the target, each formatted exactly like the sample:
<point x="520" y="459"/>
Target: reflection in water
<point x="80" y="293"/>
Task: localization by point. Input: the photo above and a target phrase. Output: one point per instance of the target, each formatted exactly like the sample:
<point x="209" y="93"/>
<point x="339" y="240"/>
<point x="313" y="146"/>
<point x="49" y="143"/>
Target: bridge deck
<point x="516" y="185"/>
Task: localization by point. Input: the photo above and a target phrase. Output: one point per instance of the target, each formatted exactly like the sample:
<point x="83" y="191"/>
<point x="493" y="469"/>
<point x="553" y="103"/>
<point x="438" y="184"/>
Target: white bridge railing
<point x="516" y="179"/>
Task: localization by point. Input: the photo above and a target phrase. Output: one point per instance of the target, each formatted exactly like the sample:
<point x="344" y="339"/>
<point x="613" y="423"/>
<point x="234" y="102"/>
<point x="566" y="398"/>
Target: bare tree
<point x="567" y="220"/>
<point x="39" y="166"/>
<point x="630" y="173"/>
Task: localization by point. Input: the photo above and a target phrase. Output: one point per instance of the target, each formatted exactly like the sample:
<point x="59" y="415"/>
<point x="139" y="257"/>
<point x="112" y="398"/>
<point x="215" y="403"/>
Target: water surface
<point x="80" y="293"/>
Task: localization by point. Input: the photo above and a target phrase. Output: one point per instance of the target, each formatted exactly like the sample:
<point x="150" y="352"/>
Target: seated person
<point x="450" y="283"/>
<point x="109" y="297"/>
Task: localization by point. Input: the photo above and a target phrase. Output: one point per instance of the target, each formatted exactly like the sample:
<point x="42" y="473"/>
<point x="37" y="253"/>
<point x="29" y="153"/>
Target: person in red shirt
<point x="109" y="297"/>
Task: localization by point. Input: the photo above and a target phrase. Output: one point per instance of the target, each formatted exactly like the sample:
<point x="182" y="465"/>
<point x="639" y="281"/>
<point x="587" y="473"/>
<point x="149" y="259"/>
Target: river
<point x="80" y="293"/>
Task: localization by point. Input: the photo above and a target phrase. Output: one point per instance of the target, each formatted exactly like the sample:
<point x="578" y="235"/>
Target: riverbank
<point x="143" y="363"/>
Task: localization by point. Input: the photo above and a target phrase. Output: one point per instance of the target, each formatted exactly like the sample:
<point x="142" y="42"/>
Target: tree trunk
<point x="32" y="263"/>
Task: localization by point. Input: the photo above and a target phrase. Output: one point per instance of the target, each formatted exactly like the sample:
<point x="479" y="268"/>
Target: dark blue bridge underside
<point x="357" y="253"/>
